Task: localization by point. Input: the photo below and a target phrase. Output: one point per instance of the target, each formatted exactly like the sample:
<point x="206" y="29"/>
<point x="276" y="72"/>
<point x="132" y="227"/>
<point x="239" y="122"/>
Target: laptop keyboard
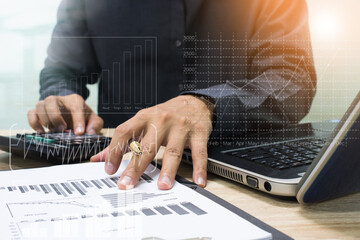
<point x="282" y="155"/>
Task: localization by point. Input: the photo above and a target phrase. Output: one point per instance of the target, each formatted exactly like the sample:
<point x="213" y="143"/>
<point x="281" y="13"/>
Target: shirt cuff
<point x="229" y="109"/>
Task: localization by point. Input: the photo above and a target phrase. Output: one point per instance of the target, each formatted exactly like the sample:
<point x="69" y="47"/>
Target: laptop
<point x="313" y="161"/>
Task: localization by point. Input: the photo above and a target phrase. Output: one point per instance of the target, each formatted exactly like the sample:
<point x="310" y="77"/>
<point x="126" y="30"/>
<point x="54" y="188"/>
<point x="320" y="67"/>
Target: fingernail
<point x="91" y="131"/>
<point x="200" y="181"/>
<point x="79" y="129"/>
<point x="126" y="181"/>
<point x="109" y="168"/>
<point x="166" y="180"/>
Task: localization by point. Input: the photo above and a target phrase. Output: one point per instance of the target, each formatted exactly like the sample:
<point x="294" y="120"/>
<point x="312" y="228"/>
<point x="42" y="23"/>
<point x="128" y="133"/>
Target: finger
<point x="34" y="121"/>
<point x="149" y="145"/>
<point x="94" y="124"/>
<point x="54" y="114"/>
<point x="41" y="113"/>
<point x="119" y="142"/>
<point x="76" y="105"/>
<point x="101" y="156"/>
<point x="171" y="159"/>
<point x="198" y="146"/>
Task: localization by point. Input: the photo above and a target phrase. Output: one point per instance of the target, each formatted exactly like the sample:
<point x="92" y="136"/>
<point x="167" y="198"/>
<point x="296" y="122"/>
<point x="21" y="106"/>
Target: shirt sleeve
<point x="70" y="62"/>
<point x="281" y="79"/>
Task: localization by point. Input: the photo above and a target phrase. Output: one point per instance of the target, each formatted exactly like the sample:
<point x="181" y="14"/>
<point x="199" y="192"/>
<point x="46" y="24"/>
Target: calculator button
<point x="48" y="140"/>
<point x="39" y="139"/>
<point x="29" y="137"/>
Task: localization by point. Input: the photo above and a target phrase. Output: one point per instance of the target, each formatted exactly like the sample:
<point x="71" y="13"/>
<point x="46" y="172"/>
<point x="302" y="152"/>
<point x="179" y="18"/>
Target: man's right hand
<point x="58" y="113"/>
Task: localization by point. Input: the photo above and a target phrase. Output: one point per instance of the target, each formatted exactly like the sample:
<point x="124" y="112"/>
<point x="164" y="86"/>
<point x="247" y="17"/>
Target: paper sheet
<point x="80" y="201"/>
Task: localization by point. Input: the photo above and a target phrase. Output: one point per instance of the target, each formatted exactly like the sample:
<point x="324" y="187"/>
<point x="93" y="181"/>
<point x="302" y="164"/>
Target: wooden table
<point x="336" y="219"/>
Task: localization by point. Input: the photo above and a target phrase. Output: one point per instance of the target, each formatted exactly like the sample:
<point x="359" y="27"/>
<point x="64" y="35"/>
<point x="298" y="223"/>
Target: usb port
<point x="252" y="182"/>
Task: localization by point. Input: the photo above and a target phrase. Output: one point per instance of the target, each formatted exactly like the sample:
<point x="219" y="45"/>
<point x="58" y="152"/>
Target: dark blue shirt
<point x="252" y="58"/>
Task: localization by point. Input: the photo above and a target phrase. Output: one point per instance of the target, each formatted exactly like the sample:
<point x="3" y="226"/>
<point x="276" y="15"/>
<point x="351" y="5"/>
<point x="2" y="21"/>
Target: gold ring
<point x="135" y="147"/>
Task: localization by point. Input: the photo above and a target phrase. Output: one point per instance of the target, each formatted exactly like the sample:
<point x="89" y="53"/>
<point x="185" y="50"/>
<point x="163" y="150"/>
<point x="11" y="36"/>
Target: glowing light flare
<point x="327" y="24"/>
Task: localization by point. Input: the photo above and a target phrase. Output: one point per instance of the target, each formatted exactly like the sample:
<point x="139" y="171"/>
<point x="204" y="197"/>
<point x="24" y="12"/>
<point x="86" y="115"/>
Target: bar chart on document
<point x="81" y="201"/>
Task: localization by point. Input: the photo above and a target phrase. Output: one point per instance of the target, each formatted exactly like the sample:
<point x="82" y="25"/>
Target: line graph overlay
<point x="49" y="208"/>
<point x="243" y="72"/>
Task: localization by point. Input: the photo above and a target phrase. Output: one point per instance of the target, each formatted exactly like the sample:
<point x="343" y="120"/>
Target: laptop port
<point x="252" y="182"/>
<point x="267" y="186"/>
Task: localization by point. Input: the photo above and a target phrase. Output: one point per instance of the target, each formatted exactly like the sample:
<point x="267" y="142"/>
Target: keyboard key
<point x="281" y="157"/>
<point x="287" y="151"/>
<point x="294" y="144"/>
<point x="282" y="167"/>
<point x="242" y="155"/>
<point x="307" y="152"/>
<point x="273" y="150"/>
<point x="311" y="156"/>
<point x="256" y="157"/>
<point x="263" y="161"/>
<point x="300" y="158"/>
<point x="275" y="164"/>
<point x="287" y="161"/>
<point x="282" y="147"/>
<point x="232" y="153"/>
<point x="296" y="164"/>
<point x="307" y="162"/>
<point x="294" y="155"/>
<point x="317" y="150"/>
<point x="277" y="153"/>
<point x="256" y="151"/>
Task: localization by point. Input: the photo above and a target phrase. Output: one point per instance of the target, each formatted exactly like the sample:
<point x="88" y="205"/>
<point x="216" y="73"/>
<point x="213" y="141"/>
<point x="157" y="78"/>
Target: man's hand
<point x="182" y="122"/>
<point x="58" y="113"/>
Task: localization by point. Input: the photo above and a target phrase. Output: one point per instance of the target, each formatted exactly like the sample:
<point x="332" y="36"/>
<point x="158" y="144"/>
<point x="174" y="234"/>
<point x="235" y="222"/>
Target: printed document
<point x="81" y="201"/>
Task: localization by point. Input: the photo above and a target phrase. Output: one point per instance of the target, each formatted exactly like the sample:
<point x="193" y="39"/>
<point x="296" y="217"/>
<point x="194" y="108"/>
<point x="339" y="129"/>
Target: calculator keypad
<point x="73" y="147"/>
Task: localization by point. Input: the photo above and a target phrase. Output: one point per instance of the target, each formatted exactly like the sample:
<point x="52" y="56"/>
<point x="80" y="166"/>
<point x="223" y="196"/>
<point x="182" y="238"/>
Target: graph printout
<point x="80" y="201"/>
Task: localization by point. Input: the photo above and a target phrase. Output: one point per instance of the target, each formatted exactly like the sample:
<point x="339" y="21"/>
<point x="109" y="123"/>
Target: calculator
<point x="58" y="148"/>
